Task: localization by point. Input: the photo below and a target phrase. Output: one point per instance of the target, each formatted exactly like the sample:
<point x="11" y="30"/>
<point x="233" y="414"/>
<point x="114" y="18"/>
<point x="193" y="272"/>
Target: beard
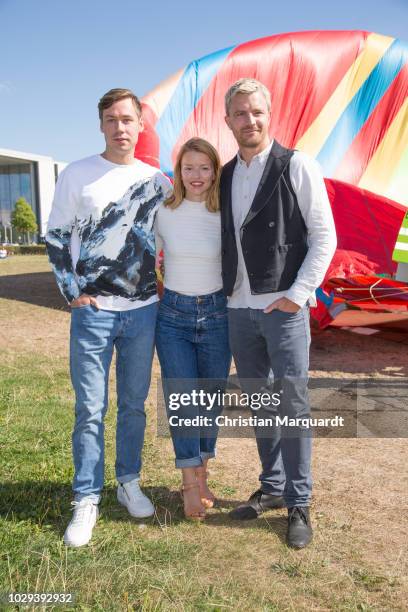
<point x="250" y="141"/>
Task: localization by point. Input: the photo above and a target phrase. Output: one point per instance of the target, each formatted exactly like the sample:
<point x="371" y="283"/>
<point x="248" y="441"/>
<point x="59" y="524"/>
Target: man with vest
<point x="278" y="238"/>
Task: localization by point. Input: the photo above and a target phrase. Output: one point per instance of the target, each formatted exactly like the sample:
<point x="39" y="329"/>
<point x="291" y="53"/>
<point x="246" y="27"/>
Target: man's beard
<point x="249" y="144"/>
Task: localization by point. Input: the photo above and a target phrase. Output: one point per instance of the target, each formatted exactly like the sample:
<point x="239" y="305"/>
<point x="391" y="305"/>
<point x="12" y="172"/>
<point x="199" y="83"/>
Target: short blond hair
<point x="246" y="86"/>
<point x="114" y="95"/>
<point x="198" y="145"/>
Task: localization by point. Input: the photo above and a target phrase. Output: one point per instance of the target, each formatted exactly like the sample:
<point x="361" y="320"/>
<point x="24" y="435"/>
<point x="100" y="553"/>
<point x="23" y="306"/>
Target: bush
<point x="23" y="217"/>
<point x="33" y="249"/>
<point x="25" y="249"/>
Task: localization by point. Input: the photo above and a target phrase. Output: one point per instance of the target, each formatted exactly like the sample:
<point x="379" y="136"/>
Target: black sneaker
<point x="258" y="503"/>
<point x="300" y="531"/>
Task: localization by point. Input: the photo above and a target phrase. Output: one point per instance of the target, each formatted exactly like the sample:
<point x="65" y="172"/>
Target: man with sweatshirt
<point x="100" y="242"/>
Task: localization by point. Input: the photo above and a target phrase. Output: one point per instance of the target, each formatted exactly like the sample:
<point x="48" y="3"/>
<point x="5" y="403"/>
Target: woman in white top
<point x="192" y="329"/>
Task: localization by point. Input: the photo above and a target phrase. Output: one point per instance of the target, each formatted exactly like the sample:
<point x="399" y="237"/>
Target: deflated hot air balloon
<point x="342" y="98"/>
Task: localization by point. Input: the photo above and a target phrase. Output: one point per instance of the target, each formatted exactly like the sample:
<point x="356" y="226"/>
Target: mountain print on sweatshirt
<point x="117" y="249"/>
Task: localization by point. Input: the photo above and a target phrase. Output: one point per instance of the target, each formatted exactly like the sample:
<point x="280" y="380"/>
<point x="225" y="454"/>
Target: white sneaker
<point x="131" y="496"/>
<point x="79" y="530"/>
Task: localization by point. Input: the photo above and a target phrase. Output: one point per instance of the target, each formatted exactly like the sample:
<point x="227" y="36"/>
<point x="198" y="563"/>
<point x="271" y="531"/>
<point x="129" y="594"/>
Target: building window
<point x="15" y="182"/>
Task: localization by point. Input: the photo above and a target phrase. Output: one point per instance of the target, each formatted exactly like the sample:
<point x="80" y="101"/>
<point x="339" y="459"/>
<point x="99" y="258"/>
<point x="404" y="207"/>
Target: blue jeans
<point x="94" y="335"/>
<point x="276" y="345"/>
<point x="193" y="349"/>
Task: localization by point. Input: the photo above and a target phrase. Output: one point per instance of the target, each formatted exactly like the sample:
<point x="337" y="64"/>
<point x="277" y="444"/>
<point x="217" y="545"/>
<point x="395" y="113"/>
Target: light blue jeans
<point x="94" y="335"/>
<point x="192" y="346"/>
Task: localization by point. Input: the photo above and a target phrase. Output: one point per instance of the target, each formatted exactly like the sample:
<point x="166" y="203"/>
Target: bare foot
<point x="190" y="491"/>
<point x="207" y="496"/>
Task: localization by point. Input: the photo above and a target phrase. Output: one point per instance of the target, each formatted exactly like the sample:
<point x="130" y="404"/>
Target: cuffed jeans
<point x="192" y="344"/>
<point x="94" y="335"/>
<point x="276" y="346"/>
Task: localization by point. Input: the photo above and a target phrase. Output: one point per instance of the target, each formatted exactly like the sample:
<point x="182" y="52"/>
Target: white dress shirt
<point x="307" y="181"/>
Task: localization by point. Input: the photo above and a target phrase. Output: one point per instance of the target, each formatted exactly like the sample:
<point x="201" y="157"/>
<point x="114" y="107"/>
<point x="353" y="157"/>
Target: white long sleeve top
<point x="190" y="237"/>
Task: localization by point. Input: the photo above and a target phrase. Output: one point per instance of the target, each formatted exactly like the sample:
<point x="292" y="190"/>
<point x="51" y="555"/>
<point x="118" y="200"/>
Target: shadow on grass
<point x="38" y="288"/>
<point x="270" y="522"/>
<point x="48" y="504"/>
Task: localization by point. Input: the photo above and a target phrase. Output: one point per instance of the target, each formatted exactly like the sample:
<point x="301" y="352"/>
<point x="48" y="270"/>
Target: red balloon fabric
<point x="342" y="97"/>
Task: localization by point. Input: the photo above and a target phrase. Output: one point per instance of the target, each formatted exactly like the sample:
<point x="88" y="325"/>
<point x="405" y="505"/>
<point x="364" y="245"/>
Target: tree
<point x="23" y="217"/>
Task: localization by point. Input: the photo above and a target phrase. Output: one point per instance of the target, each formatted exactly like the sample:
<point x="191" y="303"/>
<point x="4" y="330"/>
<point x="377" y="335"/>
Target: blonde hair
<point x="199" y="145"/>
<point x="246" y="86"/>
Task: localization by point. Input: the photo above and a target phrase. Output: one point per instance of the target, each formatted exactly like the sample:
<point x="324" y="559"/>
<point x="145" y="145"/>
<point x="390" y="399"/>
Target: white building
<point x="32" y="177"/>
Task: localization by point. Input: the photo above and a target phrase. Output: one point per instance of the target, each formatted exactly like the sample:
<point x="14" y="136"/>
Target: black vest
<point x="273" y="234"/>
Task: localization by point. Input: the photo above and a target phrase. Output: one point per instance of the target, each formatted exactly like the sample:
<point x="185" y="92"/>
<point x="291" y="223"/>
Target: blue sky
<point x="59" y="56"/>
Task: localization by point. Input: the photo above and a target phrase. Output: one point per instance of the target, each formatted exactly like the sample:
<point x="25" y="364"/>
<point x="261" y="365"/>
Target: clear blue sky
<point x="59" y="56"/>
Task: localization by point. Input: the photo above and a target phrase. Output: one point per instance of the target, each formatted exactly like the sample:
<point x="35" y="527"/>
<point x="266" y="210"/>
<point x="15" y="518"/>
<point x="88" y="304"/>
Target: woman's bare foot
<point x="194" y="509"/>
<point x="207" y="496"/>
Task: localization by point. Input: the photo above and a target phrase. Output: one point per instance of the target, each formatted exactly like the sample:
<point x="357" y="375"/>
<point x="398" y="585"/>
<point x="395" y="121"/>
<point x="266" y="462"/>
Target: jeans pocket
<point x="167" y="312"/>
<point x="73" y="308"/>
<point x="290" y="314"/>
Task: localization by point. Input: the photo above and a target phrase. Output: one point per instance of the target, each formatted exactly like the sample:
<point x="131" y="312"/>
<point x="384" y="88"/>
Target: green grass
<point x="23" y="264"/>
<point x="164" y="563"/>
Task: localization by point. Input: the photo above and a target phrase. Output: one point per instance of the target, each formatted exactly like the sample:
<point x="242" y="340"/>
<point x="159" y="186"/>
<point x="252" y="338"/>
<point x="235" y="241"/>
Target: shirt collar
<point x="260" y="158"/>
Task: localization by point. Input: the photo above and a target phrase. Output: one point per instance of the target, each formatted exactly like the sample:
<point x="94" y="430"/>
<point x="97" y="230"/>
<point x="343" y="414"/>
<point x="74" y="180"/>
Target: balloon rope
<point x="397" y="293"/>
<point x="400" y="289"/>
<point x="371" y="290"/>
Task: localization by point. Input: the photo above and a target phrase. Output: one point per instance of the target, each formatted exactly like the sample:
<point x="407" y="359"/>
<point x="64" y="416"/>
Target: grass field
<point x="357" y="561"/>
